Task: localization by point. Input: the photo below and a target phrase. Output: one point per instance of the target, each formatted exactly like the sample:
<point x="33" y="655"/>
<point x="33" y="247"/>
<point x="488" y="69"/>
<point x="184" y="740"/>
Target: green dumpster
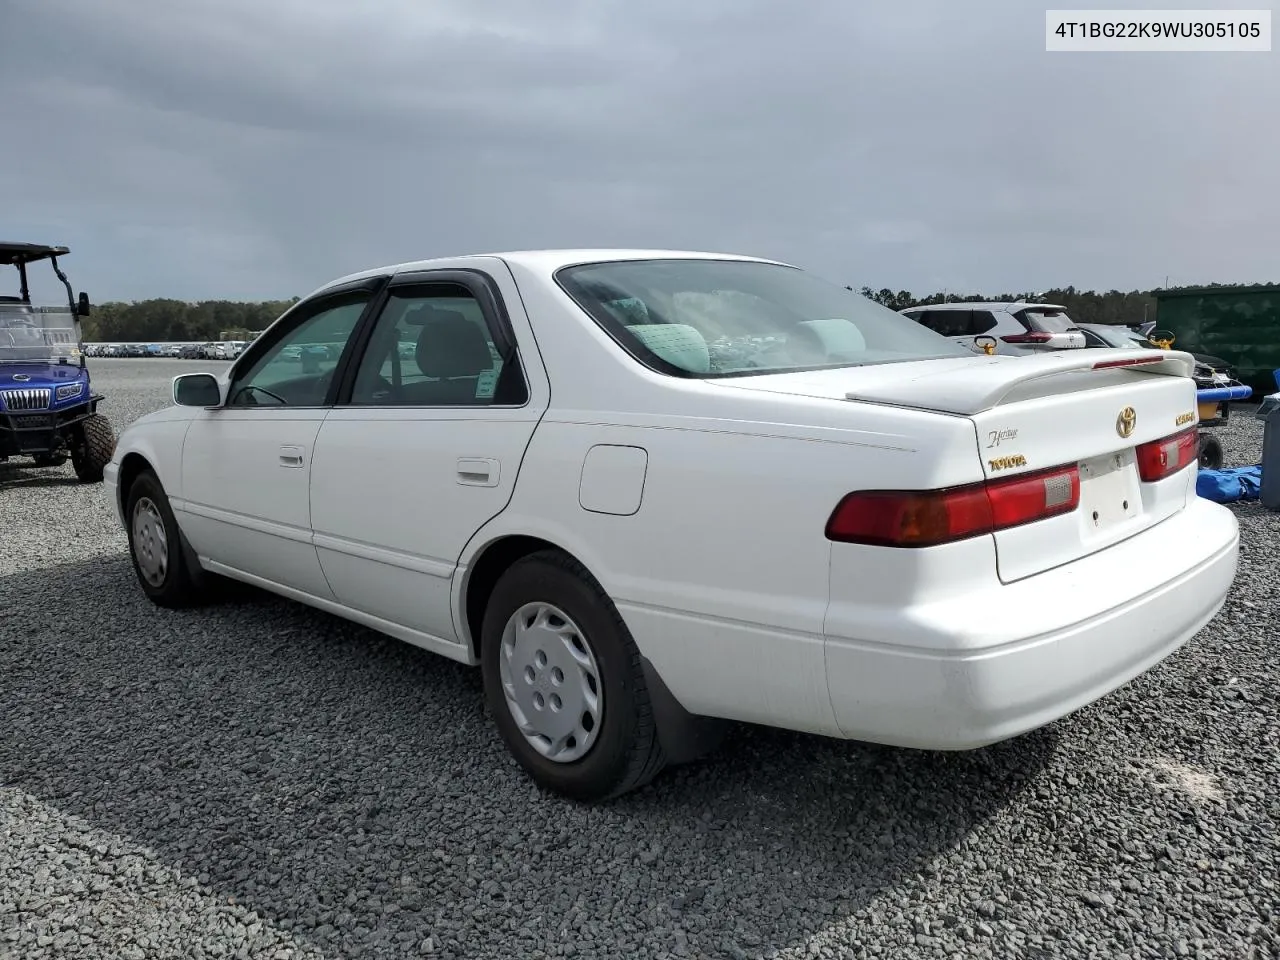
<point x="1239" y="324"/>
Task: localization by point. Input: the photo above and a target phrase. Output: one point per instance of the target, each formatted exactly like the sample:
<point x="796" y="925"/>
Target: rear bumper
<point x="945" y="690"/>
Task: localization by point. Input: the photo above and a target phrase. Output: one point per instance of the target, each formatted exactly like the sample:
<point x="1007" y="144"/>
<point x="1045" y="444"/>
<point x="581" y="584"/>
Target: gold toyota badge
<point x="1124" y="423"/>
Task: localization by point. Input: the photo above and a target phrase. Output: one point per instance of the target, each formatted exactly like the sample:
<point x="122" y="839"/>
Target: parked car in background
<point x="649" y="492"/>
<point x="1026" y="326"/>
<point x="1115" y="335"/>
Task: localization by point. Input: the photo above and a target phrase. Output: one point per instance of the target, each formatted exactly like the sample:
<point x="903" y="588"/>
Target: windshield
<point x="37" y="333"/>
<point x="1123" y="337"/>
<point x="720" y="318"/>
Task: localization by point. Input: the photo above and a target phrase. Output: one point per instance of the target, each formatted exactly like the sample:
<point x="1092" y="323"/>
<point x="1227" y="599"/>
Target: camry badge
<point x="1124" y="423"/>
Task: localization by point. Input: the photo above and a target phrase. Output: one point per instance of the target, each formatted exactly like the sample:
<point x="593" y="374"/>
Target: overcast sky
<point x="245" y="149"/>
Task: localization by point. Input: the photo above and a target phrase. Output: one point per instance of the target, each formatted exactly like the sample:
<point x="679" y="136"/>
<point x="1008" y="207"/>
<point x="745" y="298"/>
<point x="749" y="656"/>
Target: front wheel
<point x="155" y="546"/>
<point x="97" y="443"/>
<point x="563" y="681"/>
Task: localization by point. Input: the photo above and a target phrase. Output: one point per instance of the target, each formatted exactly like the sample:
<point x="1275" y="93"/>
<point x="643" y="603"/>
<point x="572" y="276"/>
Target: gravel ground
<point x="261" y="780"/>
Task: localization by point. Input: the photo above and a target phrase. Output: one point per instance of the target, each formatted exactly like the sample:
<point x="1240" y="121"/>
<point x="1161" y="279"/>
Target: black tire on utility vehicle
<point x="1210" y="452"/>
<point x="563" y="681"/>
<point x="94" y="451"/>
<point x="156" y="547"/>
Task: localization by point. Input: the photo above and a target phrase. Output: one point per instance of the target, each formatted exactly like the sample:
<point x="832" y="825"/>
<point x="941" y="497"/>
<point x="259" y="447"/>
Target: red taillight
<point x="1028" y="338"/>
<point x="1165" y="457"/>
<point x="926" y="518"/>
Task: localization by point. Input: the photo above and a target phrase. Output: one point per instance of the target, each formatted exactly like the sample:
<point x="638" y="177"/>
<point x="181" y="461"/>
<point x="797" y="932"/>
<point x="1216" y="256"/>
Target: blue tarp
<point x="1230" y="484"/>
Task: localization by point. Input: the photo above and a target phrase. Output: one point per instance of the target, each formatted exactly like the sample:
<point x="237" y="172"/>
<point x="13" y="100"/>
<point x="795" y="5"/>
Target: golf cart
<point x="48" y="411"/>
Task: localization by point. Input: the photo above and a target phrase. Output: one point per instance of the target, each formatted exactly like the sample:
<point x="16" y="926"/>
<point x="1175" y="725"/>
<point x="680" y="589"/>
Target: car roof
<point x="988" y="305"/>
<point x="14" y="253"/>
<point x="549" y="261"/>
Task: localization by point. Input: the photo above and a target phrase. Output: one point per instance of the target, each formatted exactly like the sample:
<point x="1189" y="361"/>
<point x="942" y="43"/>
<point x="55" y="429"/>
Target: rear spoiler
<point x="972" y="388"/>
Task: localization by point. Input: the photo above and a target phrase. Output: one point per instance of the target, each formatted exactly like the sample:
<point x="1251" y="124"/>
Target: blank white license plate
<point x="1109" y="492"/>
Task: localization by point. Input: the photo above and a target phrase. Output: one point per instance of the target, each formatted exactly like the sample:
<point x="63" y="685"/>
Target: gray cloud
<point x="227" y="148"/>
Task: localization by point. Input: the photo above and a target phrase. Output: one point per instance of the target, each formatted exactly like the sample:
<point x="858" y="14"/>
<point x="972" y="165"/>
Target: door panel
<point x="246" y="467"/>
<point x="395" y="496"/>
<point x="426" y="447"/>
<point x="245" y="479"/>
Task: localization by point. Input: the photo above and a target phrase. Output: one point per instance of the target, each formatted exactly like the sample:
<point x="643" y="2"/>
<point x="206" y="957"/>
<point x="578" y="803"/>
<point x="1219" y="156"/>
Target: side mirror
<point x="197" y="390"/>
<point x="82" y="305"/>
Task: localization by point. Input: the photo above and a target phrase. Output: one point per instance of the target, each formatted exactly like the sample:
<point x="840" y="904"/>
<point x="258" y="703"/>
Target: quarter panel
<point x="723" y="572"/>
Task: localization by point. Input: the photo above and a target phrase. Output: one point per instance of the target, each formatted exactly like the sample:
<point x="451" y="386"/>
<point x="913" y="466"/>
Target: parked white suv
<point x="1026" y="326"/>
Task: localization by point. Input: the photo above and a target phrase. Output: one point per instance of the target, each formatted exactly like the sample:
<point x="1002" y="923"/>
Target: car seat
<point x="454" y="352"/>
<point x="677" y="343"/>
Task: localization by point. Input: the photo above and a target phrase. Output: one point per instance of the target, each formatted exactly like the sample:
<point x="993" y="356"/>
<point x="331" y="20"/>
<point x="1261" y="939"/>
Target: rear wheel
<point x="1210" y="452"/>
<point x="563" y="680"/>
<point x="97" y="443"/>
<point x="155" y="546"/>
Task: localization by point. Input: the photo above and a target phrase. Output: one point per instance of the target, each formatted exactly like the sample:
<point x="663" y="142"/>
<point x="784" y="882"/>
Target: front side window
<point x="721" y="318"/>
<point x="432" y="347"/>
<point x="983" y="321"/>
<point x="297" y="369"/>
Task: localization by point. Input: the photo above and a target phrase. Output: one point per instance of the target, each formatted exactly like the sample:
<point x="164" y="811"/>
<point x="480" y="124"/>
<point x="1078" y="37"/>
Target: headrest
<point x="838" y="335"/>
<point x="677" y="343"/>
<point x="628" y="310"/>
<point x="451" y="346"/>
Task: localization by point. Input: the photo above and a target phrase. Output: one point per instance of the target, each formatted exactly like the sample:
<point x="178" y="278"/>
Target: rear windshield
<point x="722" y="318"/>
<point x="1047" y="320"/>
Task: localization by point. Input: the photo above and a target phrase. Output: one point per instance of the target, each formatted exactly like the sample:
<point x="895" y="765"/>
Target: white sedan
<point x="649" y="493"/>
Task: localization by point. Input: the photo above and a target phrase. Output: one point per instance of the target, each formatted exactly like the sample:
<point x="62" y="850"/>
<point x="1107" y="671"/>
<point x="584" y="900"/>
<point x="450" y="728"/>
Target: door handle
<point x="290" y="456"/>
<point x="478" y="471"/>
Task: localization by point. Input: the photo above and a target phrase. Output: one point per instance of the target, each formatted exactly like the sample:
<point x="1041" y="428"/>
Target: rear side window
<point x="983" y="320"/>
<point x="1045" y="320"/>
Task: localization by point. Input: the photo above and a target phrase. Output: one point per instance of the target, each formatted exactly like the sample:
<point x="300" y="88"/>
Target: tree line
<point x="163" y="319"/>
<point x="177" y="320"/>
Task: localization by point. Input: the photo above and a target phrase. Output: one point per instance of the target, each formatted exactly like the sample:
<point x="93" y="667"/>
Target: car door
<point x="425" y="445"/>
<point x="246" y="465"/>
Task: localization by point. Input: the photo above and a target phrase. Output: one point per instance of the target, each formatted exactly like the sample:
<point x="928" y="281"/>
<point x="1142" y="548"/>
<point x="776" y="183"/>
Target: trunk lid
<point x="1089" y="408"/>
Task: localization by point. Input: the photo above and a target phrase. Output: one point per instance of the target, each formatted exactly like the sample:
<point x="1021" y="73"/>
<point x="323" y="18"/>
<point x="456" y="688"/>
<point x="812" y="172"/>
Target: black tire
<point x="1210" y="452"/>
<point x="181" y="586"/>
<point x="626" y="753"/>
<point x="94" y="451"/>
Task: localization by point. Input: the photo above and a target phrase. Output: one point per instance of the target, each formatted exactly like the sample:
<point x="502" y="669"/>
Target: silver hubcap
<point x="150" y="544"/>
<point x="552" y="682"/>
